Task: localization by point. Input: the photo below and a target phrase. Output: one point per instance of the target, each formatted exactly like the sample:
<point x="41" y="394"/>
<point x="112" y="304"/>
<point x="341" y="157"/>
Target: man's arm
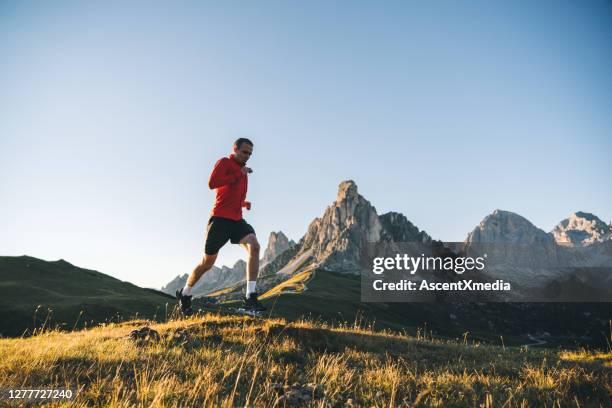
<point x="219" y="178"/>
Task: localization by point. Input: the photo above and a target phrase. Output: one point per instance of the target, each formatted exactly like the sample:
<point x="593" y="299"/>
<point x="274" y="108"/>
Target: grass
<point x="224" y="360"/>
<point x="295" y="284"/>
<point x="336" y="298"/>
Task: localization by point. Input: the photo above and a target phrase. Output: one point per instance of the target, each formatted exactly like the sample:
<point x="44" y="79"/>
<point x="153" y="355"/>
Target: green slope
<point x="27" y="282"/>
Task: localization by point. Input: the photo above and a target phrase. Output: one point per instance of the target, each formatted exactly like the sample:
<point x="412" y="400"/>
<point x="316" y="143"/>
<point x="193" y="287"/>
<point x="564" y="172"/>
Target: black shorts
<point x="220" y="230"/>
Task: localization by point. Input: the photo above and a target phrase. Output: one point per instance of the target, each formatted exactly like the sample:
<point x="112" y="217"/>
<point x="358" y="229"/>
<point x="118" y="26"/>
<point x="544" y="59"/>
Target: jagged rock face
<point x="339" y="236"/>
<point x="175" y="284"/>
<point x="223" y="277"/>
<point x="281" y="260"/>
<point x="397" y="228"/>
<point x="214" y="279"/>
<point x="581" y="229"/>
<point x="277" y="244"/>
<point x="218" y="278"/>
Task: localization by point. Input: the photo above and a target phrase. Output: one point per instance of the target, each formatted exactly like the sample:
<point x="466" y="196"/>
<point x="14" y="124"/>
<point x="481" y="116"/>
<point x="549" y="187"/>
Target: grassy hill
<point x="35" y="293"/>
<point x="30" y="287"/>
<point x="335" y="298"/>
<point x="217" y="360"/>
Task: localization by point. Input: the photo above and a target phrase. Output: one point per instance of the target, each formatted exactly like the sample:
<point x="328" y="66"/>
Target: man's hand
<point x="247" y="205"/>
<point x="246" y="170"/>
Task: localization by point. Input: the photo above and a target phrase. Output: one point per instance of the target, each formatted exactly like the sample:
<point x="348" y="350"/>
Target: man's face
<point x="243" y="153"/>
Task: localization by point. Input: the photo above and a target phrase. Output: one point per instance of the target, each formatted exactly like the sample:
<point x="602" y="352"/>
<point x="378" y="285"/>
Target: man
<point x="229" y="178"/>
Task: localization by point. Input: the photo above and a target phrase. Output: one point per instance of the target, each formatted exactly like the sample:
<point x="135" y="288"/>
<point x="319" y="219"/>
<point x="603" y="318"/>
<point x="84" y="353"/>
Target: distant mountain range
<point x="520" y="252"/>
<point x="335" y="242"/>
<point x="217" y="278"/>
<point x="579" y="230"/>
<point x="539" y="263"/>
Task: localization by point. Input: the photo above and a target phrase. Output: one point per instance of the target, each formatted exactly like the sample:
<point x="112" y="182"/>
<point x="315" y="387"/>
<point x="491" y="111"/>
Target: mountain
<point x="507" y="227"/>
<point x="28" y="283"/>
<point x="534" y="262"/>
<point x="582" y="229"/>
<point x="511" y="239"/>
<point x="277" y="244"/>
<point x="213" y="279"/>
<point x="176" y="283"/>
<point x="218" y="278"/>
<point x="336" y="240"/>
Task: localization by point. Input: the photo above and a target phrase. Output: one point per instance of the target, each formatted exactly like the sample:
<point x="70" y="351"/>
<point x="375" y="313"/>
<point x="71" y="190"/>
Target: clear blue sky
<point x="112" y="116"/>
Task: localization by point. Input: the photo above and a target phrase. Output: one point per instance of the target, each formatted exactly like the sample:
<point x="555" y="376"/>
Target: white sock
<point x="250" y="287"/>
<point x="187" y="290"/>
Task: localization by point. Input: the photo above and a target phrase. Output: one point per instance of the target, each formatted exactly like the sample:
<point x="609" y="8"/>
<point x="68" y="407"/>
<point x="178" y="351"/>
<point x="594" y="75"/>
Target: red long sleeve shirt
<point x="231" y="187"/>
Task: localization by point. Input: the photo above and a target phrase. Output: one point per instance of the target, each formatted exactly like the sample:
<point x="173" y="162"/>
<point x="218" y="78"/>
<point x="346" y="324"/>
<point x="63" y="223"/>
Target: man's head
<point x="243" y="148"/>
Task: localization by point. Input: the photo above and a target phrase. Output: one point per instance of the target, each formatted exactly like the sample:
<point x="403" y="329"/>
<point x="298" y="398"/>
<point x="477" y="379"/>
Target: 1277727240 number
<point x="36" y="394"/>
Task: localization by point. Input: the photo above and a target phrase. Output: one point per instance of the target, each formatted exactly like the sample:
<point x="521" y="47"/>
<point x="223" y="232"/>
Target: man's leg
<point x="251" y="303"/>
<point x="207" y="262"/>
<point x="250" y="243"/>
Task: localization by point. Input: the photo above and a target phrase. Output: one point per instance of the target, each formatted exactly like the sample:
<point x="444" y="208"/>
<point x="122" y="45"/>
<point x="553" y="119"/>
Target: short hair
<point x="242" y="140"/>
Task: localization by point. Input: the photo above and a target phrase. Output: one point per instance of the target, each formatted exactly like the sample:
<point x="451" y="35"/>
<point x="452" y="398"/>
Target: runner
<point x="229" y="178"/>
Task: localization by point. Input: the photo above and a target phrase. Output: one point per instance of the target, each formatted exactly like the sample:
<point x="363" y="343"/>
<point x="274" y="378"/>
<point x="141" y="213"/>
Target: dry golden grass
<point x="295" y="284"/>
<point x="218" y="360"/>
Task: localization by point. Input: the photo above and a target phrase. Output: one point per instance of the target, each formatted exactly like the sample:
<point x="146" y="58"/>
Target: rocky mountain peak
<point x="507" y="227"/>
<point x="581" y="229"/>
<point x="347" y="190"/>
<point x="174" y="284"/>
<point x="277" y="244"/>
<point x="336" y="239"/>
<point x="511" y="241"/>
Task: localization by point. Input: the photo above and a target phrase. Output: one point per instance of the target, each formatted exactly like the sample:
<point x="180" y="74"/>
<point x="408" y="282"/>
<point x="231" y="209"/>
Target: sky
<point x="112" y="115"/>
